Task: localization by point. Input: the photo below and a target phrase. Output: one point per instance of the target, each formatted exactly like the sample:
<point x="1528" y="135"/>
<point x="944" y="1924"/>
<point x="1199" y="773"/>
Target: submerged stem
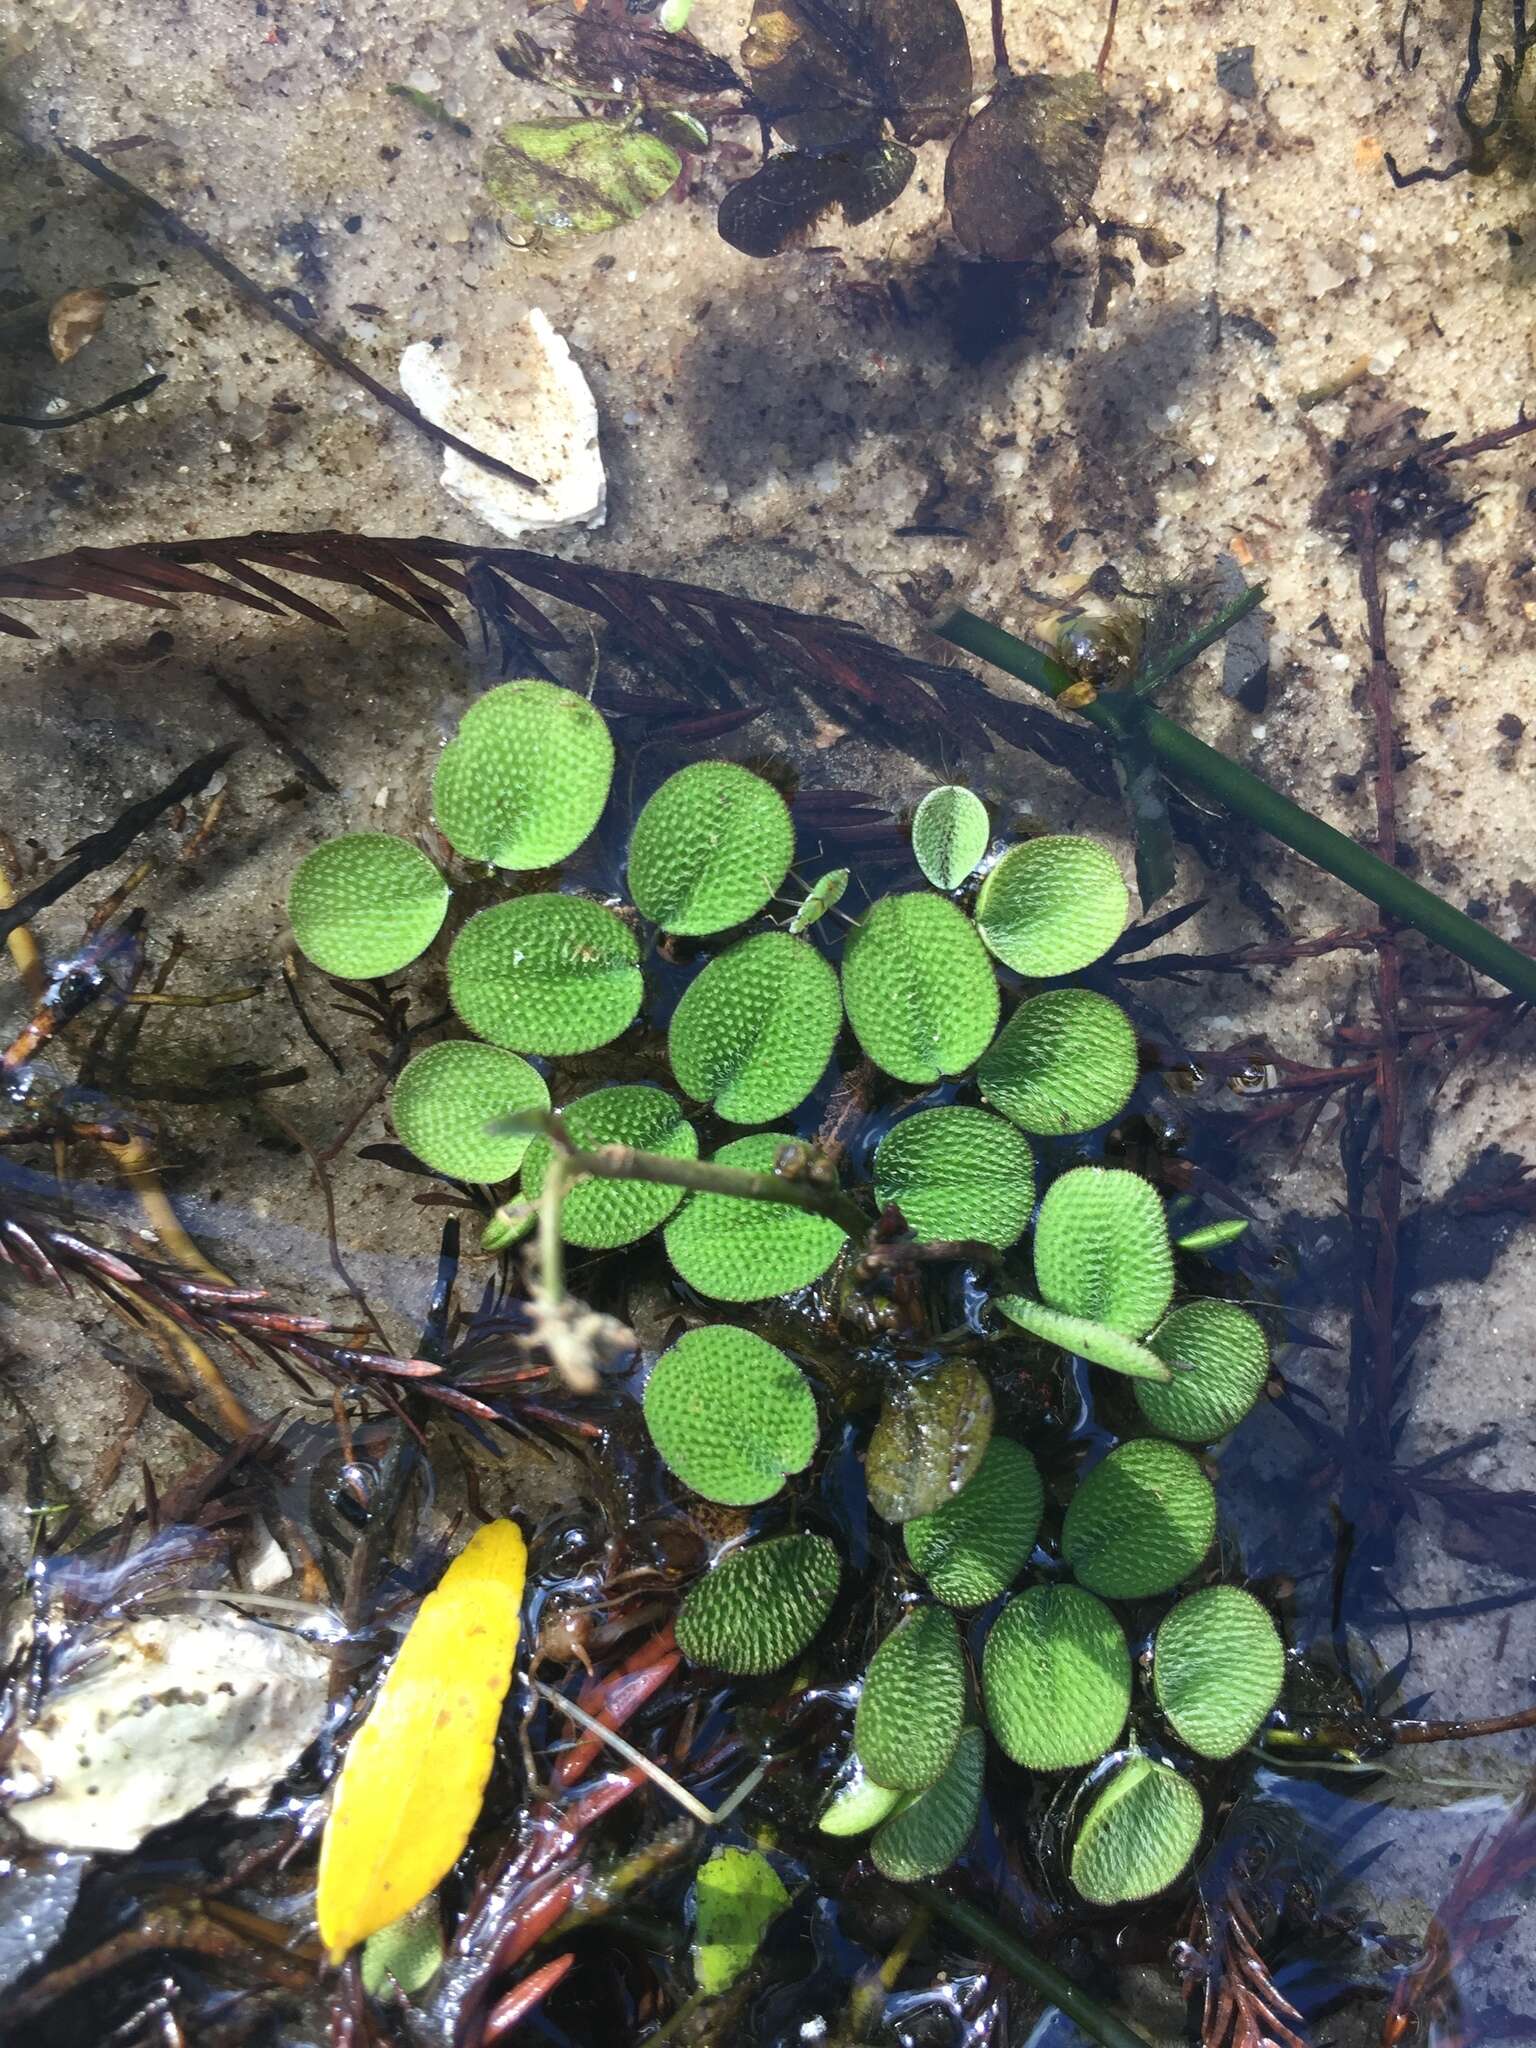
<point x="1005" y="1948"/>
<point x="1191" y="760"/>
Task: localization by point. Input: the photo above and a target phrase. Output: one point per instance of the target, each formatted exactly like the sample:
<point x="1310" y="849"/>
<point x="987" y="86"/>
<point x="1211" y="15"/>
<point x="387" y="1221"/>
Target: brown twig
<point x="236" y="694"/>
<point x="172" y="225"/>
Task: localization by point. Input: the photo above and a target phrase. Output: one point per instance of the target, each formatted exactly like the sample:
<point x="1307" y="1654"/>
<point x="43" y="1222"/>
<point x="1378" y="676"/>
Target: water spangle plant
<point x="546" y="974"/>
<point x="920" y="994"/>
<point x="760" y="1606"/>
<point x="1138" y="1834"/>
<point x="913" y="1702"/>
<point x="600" y="1215"/>
<point x="366" y="904"/>
<point x="526" y="779"/>
<point x="957" y="1173"/>
<point x="931" y="1828"/>
<point x="974" y="1547"/>
<point x="950" y="835"/>
<point x="1052" y="906"/>
<point x="709" y="849"/>
<point x="448" y="1095"/>
<point x="730" y="1414"/>
<point x="754" y="1031"/>
<point x="1056" y="1677"/>
<point x="732" y="1249"/>
<point x="1217" y="1667"/>
<point x="1140" y="1522"/>
<point x="1063" y="1063"/>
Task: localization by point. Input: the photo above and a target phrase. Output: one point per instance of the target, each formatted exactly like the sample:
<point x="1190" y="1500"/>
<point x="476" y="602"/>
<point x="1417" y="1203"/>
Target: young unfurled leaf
<point x="447" y="1095"/>
<point x="913" y="1703"/>
<point x="366" y="904"/>
<point x="1065" y="1061"/>
<point x="920" y="992"/>
<point x="735" y="1249"/>
<point x="753" y="1033"/>
<point x="1083" y="1337"/>
<point x="760" y="1605"/>
<point x="526" y="779"/>
<point x="1141" y="1521"/>
<point x="930" y="1440"/>
<point x="709" y="849"/>
<point x="1217" y="1669"/>
<point x="1137" y="1835"/>
<point x="1052" y="905"/>
<point x="1056" y="1675"/>
<point x="600" y="1215"/>
<point x="957" y="1173"/>
<point x="1210" y="1237"/>
<point x="1221" y="1356"/>
<point x="950" y="833"/>
<point x="737" y="1896"/>
<point x="730" y="1414"/>
<point x="857" y="1803"/>
<point x="577" y="177"/>
<point x="415" y="1772"/>
<point x="794" y="189"/>
<point x="1025" y="166"/>
<point x="549" y="974"/>
<point x="974" y="1547"/>
<point x="932" y="1828"/>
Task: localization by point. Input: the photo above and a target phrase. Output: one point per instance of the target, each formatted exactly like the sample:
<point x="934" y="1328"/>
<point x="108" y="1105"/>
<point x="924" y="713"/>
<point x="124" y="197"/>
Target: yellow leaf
<point x="411" y="1787"/>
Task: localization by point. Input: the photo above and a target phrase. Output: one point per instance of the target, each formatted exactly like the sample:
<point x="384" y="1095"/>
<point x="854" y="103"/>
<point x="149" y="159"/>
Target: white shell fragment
<point x="176" y="1708"/>
<point x="520" y="395"/>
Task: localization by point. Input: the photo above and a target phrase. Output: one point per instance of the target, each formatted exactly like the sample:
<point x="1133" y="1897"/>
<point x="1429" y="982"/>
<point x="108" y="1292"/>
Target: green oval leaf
<point x="526" y="779"/>
<point x="1220" y="1357"/>
<point x="737" y="1896"/>
<point x="1064" y="1062"/>
<point x="920" y="992"/>
<point x="366" y="904"/>
<point x="709" y="849"/>
<point x="1052" y="905"/>
<point x="931" y="1830"/>
<point x="1056" y="1676"/>
<point x="759" y="1606"/>
<point x="974" y="1547"/>
<point x="1141" y="1521"/>
<point x="950" y="835"/>
<point x="601" y="1214"/>
<point x="1217" y="1669"/>
<point x="753" y="1033"/>
<point x="1138" y="1834"/>
<point x="736" y="1249"/>
<point x="957" y="1173"/>
<point x="550" y="974"/>
<point x="930" y="1440"/>
<point x="1102" y="1251"/>
<point x="913" y="1703"/>
<point x="731" y="1415"/>
<point x="857" y="1803"/>
<point x="577" y="177"/>
<point x="447" y="1095"/>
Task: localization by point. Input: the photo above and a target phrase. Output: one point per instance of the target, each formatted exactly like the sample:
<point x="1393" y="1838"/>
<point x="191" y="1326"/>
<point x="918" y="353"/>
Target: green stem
<point x="1192" y="761"/>
<point x="1007" y="1949"/>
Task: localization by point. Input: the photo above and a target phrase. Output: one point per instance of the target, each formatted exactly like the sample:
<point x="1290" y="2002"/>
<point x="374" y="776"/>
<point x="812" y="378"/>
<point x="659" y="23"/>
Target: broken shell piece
<point x="520" y="395"/>
<point x="174" y="1710"/>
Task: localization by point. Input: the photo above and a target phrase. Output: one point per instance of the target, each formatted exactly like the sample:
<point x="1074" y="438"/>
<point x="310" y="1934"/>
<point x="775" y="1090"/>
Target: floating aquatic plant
<point x="913" y="1702"/>
<point x="546" y="974"/>
<point x="754" y="1031"/>
<point x="732" y="1249"/>
<point x="1065" y="1061"/>
<point x="730" y="1414"/>
<point x="366" y="904"/>
<point x="1052" y="906"/>
<point x="857" y="1803"/>
<point x="920" y="994"/>
<point x="1140" y="1522"/>
<point x="709" y="849"/>
<point x="930" y="1830"/>
<point x="525" y="781"/>
<point x="950" y="832"/>
<point x="930" y="1440"/>
<point x="1138" y="1834"/>
<point x="1221" y="1360"/>
<point x="974" y="1547"/>
<point x="760" y="1606"/>
<point x="600" y="1215"/>
<point x="1217" y="1668"/>
<point x="957" y="1173"/>
<point x="1056" y="1677"/>
<point x="446" y="1097"/>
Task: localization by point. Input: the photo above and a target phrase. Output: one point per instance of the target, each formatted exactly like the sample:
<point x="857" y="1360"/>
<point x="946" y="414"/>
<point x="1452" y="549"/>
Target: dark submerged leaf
<point x="1141" y="781"/>
<point x="931" y="1437"/>
<point x="829" y="71"/>
<point x="1025" y="167"/>
<point x="785" y="198"/>
<point x="922" y="59"/>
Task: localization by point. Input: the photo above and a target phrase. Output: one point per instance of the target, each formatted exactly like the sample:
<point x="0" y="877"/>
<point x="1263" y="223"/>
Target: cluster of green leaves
<point x="548" y="973"/>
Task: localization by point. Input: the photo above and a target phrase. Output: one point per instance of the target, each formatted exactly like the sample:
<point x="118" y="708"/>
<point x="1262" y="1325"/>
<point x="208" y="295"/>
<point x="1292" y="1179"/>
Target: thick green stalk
<point x="1094" y="2019"/>
<point x="1191" y="761"/>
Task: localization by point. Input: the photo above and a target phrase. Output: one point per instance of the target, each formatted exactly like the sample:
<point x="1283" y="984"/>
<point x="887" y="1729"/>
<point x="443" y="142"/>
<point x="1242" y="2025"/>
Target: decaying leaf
<point x="830" y="71"/>
<point x="792" y="191"/>
<point x="74" y="319"/>
<point x="410" y="1789"/>
<point x="737" y="1896"/>
<point x="1025" y="167"/>
<point x="922" y="58"/>
<point x="932" y="1434"/>
<point x="577" y="177"/>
